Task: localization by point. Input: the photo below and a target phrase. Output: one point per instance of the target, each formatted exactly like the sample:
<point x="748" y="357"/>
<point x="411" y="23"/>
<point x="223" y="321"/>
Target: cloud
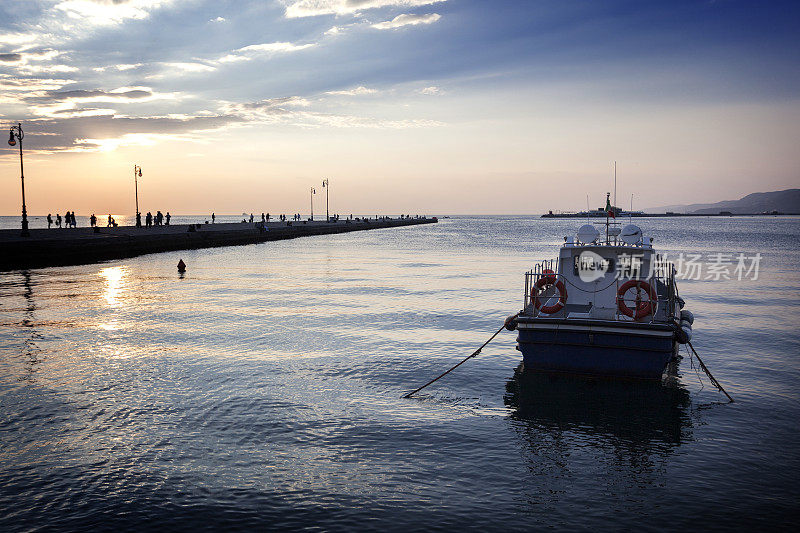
<point x="267" y="109"/>
<point x="190" y="67"/>
<point x="129" y="66"/>
<point x="431" y="91"/>
<point x="92" y="129"/>
<point x="75" y="133"/>
<point x="218" y="19"/>
<point x="119" y="68"/>
<point x="85" y="112"/>
<point x="16" y="39"/>
<point x="254" y="50"/>
<point x="11" y="58"/>
<point x="407" y="20"/>
<point x="31" y="86"/>
<point x="23" y="61"/>
<point x="293" y="111"/>
<point x="349" y="121"/>
<point x="358" y="91"/>
<point x="97" y="95"/>
<point x="107" y="12"/>
<point x="29" y="70"/>
<point x="45" y="54"/>
<point x="25" y="57"/>
<point x="312" y="8"/>
<point x="73" y="102"/>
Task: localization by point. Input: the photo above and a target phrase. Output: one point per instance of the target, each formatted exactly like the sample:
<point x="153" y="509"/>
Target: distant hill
<point x="787" y="201"/>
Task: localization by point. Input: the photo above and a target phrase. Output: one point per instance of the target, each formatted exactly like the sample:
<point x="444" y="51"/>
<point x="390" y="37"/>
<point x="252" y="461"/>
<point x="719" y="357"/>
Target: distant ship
<point x="600" y="212"/>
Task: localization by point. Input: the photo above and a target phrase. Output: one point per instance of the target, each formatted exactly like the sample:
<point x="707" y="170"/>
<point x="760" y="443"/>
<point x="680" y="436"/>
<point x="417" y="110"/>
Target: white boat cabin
<point x="618" y="278"/>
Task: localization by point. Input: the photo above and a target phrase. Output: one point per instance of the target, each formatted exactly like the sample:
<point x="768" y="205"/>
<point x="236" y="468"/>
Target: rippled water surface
<point x="263" y="389"/>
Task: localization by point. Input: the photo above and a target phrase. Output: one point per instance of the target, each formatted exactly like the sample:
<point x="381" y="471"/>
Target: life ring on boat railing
<point x="642" y="309"/>
<point x="548" y="280"/>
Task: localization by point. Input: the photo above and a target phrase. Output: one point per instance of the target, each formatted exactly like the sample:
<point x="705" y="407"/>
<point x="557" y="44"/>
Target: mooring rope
<point x="473" y="354"/>
<point x="708" y="373"/>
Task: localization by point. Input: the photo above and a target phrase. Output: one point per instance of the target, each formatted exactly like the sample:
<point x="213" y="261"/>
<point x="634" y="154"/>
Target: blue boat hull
<point x="605" y="349"/>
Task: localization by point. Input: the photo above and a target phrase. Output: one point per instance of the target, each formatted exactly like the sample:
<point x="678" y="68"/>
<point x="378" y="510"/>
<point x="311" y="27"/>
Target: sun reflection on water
<point x="115" y="284"/>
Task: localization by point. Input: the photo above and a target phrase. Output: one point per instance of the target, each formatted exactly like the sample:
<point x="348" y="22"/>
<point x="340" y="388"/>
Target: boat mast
<point x="615" y="189"/>
<point x="587" y="209"/>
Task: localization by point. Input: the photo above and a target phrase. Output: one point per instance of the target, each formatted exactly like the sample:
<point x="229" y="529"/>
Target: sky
<point x="406" y="106"/>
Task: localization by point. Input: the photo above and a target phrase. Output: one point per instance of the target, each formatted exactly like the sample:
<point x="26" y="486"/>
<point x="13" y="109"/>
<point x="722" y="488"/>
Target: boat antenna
<point x="630" y="214"/>
<point x="587" y="208"/>
<point x="615" y="190"/>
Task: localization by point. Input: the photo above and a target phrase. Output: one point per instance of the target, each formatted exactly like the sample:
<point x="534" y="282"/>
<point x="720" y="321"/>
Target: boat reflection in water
<point x="624" y="429"/>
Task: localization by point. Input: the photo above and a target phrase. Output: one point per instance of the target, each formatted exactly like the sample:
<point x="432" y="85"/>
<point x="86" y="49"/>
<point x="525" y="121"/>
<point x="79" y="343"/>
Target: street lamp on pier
<point x="313" y="192"/>
<point x="137" y="173"/>
<point x="16" y="134"/>
<point x="327" y="187"/>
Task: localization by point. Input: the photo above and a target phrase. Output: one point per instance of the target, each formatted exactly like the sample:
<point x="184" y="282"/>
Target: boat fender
<point x="687" y="316"/>
<point x="683" y="332"/>
<point x="511" y="323"/>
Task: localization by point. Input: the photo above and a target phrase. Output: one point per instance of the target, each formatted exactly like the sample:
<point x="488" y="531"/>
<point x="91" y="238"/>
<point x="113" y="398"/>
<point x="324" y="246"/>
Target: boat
<point x="606" y="306"/>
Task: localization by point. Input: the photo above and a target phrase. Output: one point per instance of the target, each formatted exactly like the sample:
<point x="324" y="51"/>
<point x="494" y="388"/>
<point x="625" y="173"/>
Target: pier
<point x="59" y="247"/>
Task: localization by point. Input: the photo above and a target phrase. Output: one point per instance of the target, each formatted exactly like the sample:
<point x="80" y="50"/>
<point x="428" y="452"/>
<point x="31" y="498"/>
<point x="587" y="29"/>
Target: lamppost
<point x="313" y="192"/>
<point x="137" y="173"/>
<point x="16" y="134"/>
<point x="327" y="187"/>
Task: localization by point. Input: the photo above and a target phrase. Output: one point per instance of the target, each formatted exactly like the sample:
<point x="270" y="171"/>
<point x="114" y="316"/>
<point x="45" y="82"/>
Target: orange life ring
<point x="548" y="280"/>
<point x="643" y="309"/>
<point x="549" y="274"/>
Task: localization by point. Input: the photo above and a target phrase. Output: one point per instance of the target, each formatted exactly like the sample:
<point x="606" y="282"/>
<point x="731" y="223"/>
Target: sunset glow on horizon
<point x="407" y="106"/>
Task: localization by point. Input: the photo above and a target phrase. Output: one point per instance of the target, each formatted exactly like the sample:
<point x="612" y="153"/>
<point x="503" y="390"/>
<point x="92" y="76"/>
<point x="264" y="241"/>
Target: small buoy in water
<point x="181" y="266"/>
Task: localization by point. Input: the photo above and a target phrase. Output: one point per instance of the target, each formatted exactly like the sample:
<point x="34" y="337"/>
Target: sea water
<point x="263" y="389"/>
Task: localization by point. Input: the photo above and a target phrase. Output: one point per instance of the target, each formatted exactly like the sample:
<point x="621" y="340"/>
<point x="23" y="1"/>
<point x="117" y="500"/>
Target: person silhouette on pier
<point x="110" y="220"/>
<point x="58" y="220"/>
<point x="49" y="220"/>
<point x="213" y="217"/>
<point x="93" y="220"/>
<point x="168" y="217"/>
<point x="138" y="220"/>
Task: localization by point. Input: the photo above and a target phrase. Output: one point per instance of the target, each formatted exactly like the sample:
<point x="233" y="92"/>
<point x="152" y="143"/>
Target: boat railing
<point x="661" y="277"/>
<point x="548" y="268"/>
